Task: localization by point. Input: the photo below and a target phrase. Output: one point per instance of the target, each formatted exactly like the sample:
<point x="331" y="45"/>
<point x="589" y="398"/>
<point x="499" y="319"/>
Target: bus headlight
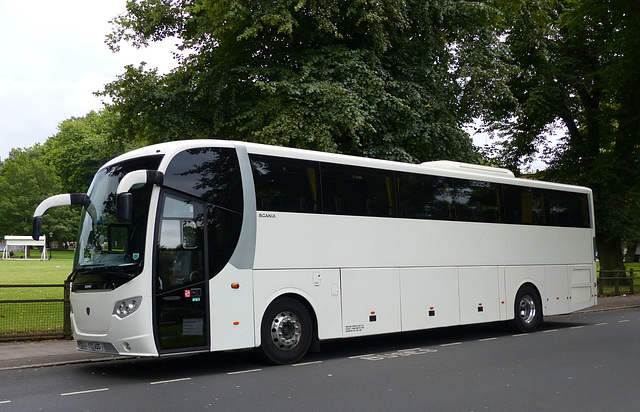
<point x="124" y="308"/>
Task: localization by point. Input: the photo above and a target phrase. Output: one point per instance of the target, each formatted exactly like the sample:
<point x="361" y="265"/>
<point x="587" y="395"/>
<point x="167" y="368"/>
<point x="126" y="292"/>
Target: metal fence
<point x="34" y="318"/>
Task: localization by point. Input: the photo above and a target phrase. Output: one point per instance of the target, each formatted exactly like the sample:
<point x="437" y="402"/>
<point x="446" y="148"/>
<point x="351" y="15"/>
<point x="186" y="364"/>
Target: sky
<point x="53" y="58"/>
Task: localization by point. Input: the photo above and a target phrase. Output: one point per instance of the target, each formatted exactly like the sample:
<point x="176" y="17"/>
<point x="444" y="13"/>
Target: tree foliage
<point x="25" y="180"/>
<point x="575" y="62"/>
<point x="79" y="148"/>
<point x="65" y="163"/>
<point x="393" y="79"/>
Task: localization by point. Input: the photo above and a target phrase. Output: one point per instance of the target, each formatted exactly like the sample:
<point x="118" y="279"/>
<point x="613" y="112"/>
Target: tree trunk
<point x="630" y="256"/>
<point x="610" y="255"/>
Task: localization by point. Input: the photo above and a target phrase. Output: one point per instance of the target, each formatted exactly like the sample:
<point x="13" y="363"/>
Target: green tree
<point x="79" y="148"/>
<point x="25" y="181"/>
<point x="575" y="62"/>
<point x="65" y="163"/>
<point x="383" y="79"/>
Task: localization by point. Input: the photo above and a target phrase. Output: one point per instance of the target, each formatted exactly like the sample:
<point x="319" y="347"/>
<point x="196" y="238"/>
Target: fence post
<point x="632" y="280"/>
<point x="600" y="285"/>
<point x="66" y="324"/>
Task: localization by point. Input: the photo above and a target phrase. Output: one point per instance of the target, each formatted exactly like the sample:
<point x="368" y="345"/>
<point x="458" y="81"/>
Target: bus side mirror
<point x="37" y="227"/>
<point x="68" y="199"/>
<point x="124" y="201"/>
<point x="124" y="207"/>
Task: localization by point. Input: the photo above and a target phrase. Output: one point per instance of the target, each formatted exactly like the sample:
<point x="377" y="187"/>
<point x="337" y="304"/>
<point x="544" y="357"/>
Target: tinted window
<point x="424" y="196"/>
<point x="286" y="185"/>
<point x="104" y="243"/>
<point x="568" y="209"/>
<point x="524" y="205"/>
<point x="359" y="191"/>
<point x="292" y="185"/>
<point x="212" y="174"/>
<point x="476" y="201"/>
<point x="223" y="231"/>
<point x="180" y="258"/>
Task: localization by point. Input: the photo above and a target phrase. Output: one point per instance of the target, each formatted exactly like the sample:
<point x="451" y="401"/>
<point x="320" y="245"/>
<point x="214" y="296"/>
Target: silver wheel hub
<point x="285" y="330"/>
<point x="527" y="309"/>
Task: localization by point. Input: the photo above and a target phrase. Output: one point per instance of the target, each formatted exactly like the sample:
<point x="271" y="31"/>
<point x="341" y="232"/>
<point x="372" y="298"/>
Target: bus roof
<point x="445" y="168"/>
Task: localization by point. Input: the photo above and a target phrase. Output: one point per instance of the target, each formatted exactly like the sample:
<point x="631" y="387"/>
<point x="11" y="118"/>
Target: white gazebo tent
<point x="25" y="242"/>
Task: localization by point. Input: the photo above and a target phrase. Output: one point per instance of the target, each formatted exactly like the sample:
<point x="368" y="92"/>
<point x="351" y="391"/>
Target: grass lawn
<point x="28" y="318"/>
<point x="35" y="272"/>
<point x="53" y="271"/>
<point x="40" y="317"/>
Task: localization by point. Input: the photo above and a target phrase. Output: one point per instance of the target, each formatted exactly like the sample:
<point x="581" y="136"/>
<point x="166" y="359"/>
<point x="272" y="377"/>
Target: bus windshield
<point x="110" y="253"/>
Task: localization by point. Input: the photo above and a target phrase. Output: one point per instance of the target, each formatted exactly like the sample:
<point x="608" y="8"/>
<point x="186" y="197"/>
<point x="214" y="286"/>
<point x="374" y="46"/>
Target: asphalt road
<point x="580" y="362"/>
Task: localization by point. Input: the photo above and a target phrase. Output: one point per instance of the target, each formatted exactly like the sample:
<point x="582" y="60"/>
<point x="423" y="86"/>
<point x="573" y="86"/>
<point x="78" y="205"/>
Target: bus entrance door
<point x="181" y="320"/>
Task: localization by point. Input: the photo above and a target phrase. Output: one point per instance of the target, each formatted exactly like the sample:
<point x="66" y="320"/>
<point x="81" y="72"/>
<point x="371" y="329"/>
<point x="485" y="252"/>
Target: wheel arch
<point x="536" y="288"/>
<point x="300" y="297"/>
<point x="531" y="314"/>
<point x="514" y="293"/>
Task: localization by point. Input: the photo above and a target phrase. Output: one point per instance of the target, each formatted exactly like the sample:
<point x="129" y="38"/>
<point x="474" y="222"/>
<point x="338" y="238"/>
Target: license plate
<point x="92" y="346"/>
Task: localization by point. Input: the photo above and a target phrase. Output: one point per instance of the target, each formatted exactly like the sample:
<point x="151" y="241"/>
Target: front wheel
<point x="528" y="310"/>
<point x="286" y="331"/>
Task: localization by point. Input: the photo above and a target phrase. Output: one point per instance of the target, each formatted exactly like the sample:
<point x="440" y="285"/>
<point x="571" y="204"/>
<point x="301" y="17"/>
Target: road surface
<point x="578" y="362"/>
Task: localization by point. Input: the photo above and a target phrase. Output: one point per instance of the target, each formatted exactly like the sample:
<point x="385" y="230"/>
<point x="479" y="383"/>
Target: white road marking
<point x="1" y="402"/>
<point x="624" y="320"/>
<point x="247" y="371"/>
<point x="392" y="355"/>
<point x="84" y="392"/>
<point x="577" y="327"/>
<point x="170" y="381"/>
<point x="307" y="363"/>
<point x="602" y="324"/>
<point x="452" y="344"/>
<point x="487" y="339"/>
<point x="550" y="330"/>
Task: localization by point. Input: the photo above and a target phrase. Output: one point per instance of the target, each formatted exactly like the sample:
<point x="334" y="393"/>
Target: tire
<point x="527" y="310"/>
<point x="286" y="331"/>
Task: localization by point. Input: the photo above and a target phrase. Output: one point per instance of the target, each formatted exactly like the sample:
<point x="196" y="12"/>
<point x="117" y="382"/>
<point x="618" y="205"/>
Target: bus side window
<point x="524" y="205"/>
<point x="211" y="174"/>
<point x="358" y="191"/>
<point x="286" y="185"/>
<point x="424" y="196"/>
<point x="477" y="201"/>
<point x="539" y="208"/>
<point x="568" y="209"/>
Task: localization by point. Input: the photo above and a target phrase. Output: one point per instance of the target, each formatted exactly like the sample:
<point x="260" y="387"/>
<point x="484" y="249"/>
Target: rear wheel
<point x="286" y="331"/>
<point x="528" y="310"/>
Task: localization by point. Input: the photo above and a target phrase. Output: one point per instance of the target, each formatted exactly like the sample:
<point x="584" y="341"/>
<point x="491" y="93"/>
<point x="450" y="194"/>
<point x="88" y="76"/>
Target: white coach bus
<point x="208" y="245"/>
